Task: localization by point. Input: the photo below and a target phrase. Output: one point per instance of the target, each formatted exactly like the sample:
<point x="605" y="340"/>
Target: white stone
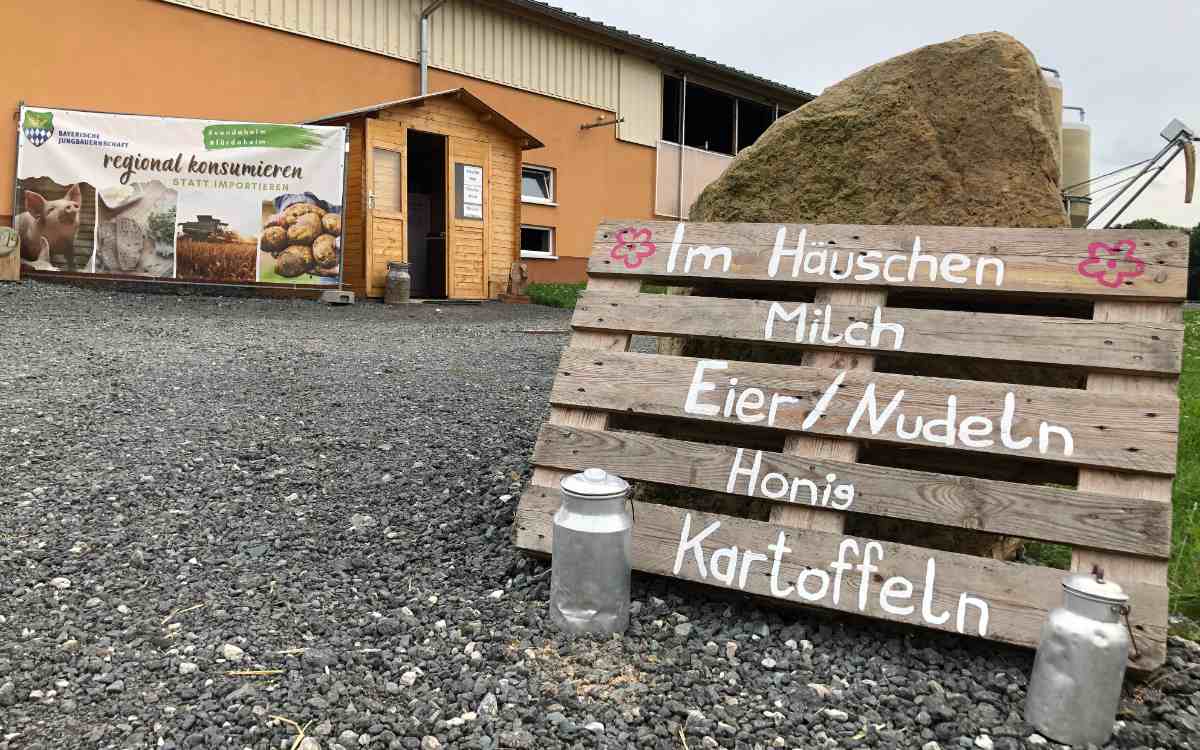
<point x="496" y="594"/>
<point x="1036" y="739"/>
<point x="123" y="609"/>
<point x="60" y="583"/>
<point x="232" y="652"/>
<point x="409" y="678"/>
<point x="836" y="714"/>
<point x="983" y="742"/>
<point x="594" y="726"/>
<point x="187" y="667"/>
<point x="822" y="691"/>
<point x="769" y="663"/>
<point x="429" y="742"/>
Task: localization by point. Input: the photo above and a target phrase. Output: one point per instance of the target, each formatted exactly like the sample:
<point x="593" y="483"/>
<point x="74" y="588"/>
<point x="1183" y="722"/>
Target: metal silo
<point x="1077" y="168"/>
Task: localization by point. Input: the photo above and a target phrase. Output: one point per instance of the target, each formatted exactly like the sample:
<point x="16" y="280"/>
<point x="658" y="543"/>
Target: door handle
<point x="371" y="200"/>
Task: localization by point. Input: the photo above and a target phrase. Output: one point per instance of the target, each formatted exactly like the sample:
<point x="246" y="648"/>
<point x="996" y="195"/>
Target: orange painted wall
<point x="150" y="57"/>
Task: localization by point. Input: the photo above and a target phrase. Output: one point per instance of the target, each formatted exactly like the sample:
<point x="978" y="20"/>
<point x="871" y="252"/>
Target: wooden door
<point x="387" y="188"/>
<point x="470" y="191"/>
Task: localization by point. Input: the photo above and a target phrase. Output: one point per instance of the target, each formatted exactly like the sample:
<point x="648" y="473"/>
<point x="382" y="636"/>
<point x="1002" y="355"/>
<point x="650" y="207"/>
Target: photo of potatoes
<point x="300" y="241"/>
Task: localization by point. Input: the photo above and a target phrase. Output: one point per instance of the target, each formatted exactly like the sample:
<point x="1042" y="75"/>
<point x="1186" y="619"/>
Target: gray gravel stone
<point x="262" y="424"/>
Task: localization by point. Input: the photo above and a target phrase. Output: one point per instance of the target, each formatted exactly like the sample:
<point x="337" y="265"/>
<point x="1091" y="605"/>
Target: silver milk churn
<point x="398" y="284"/>
<point x="1080" y="663"/>
<point x="589" y="579"/>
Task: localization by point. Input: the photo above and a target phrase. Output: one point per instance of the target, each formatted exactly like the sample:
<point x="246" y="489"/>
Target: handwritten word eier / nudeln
<point x="752" y="405"/>
<point x="896" y="595"/>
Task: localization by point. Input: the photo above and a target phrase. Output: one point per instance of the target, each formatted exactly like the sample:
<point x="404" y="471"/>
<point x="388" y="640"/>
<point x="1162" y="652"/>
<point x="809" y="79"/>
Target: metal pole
<point x="17" y="166"/>
<point x="1121" y="192"/>
<point x="735" y="126"/>
<point x="682" y="139"/>
<point x="1145" y="185"/>
<point x="342" y="208"/>
<point x="423" y="50"/>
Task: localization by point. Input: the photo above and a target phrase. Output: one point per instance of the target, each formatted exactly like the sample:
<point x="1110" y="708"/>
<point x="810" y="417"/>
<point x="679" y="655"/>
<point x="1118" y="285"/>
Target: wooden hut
<point x="433" y="181"/>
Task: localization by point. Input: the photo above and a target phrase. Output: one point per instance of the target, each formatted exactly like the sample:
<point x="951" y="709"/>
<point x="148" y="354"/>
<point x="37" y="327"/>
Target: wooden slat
<point x="1045" y="513"/>
<point x="1136" y="432"/>
<point x="1126" y="569"/>
<point x="1018" y="597"/>
<point x="1034" y="260"/>
<point x="586" y="341"/>
<point x="1150" y="347"/>
<point x="828" y="447"/>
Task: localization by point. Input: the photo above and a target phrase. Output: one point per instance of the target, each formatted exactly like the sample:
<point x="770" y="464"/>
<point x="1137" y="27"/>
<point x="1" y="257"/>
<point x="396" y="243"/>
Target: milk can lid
<point x="595" y="484"/>
<point x="1097" y="589"/>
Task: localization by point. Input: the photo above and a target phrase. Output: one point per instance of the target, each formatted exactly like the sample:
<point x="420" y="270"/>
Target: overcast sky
<point x="1131" y="65"/>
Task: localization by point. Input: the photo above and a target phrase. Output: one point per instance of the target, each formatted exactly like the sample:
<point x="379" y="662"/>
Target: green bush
<point x="555" y="295"/>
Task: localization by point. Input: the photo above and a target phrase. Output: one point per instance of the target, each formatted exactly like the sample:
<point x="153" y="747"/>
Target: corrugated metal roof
<point x="528" y="139"/>
<point x="646" y="44"/>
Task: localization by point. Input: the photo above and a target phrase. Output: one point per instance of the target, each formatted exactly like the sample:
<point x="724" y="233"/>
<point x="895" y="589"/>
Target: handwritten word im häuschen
<point x="822" y="259"/>
<point x="896" y="595"/>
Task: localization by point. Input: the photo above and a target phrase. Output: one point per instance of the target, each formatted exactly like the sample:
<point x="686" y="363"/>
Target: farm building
<point x="626" y="127"/>
<point x="411" y="163"/>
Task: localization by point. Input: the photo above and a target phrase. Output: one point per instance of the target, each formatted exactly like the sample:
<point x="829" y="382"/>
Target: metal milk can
<point x="1080" y="663"/>
<point x="589" y="579"/>
<point x="398" y="284"/>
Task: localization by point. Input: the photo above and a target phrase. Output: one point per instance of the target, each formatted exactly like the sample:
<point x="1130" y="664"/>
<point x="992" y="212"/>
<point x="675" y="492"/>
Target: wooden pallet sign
<point x="820" y="293"/>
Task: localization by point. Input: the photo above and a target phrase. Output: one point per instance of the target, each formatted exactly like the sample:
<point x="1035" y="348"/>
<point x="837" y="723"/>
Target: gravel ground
<point x="195" y="486"/>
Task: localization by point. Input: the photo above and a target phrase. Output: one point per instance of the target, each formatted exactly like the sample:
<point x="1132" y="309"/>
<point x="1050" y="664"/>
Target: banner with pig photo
<point x="172" y="198"/>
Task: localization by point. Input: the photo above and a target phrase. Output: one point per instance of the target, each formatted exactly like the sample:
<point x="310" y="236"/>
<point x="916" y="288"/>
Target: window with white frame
<point x="537" y="185"/>
<point x="537" y="242"/>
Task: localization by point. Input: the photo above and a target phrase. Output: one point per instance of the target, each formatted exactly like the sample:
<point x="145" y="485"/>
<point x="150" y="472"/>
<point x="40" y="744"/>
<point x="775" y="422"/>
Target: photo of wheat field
<point x="215" y="261"/>
<point x="216" y="237"/>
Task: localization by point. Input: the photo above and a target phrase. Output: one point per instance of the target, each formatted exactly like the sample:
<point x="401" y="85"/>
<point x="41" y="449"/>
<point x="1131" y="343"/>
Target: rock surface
<point x="960" y="133"/>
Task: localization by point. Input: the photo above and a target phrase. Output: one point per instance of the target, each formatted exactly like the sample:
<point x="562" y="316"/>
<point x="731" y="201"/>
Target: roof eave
<point x="663" y="52"/>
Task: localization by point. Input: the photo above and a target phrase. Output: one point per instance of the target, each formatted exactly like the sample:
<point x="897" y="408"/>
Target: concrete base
<point x="338" y="297"/>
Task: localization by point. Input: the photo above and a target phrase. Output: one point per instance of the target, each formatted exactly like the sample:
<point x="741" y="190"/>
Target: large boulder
<point x="961" y="133"/>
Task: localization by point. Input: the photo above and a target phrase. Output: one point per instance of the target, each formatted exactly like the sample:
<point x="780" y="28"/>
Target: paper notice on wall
<point x="468" y="187"/>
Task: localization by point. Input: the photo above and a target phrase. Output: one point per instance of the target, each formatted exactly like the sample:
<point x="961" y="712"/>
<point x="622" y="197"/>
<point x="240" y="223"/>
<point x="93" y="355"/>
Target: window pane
<point x="536" y="240"/>
<point x="708" y="120"/>
<point x="753" y="121"/>
<point x="670" y="109"/>
<point x="387" y="179"/>
<point x="535" y="183"/>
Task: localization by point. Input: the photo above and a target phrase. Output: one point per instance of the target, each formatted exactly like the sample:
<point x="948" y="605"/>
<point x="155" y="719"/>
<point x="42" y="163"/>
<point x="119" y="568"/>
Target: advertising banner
<point x="179" y="199"/>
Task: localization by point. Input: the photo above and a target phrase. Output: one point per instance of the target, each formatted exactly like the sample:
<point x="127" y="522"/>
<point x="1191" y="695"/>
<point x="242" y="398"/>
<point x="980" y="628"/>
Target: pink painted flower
<point x="633" y="246"/>
<point x="1111" y="265"/>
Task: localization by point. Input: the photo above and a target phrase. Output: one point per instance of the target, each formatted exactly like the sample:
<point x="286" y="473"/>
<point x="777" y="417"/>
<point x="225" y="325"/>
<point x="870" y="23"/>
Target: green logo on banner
<point x="38" y="126"/>
<point x="250" y="135"/>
